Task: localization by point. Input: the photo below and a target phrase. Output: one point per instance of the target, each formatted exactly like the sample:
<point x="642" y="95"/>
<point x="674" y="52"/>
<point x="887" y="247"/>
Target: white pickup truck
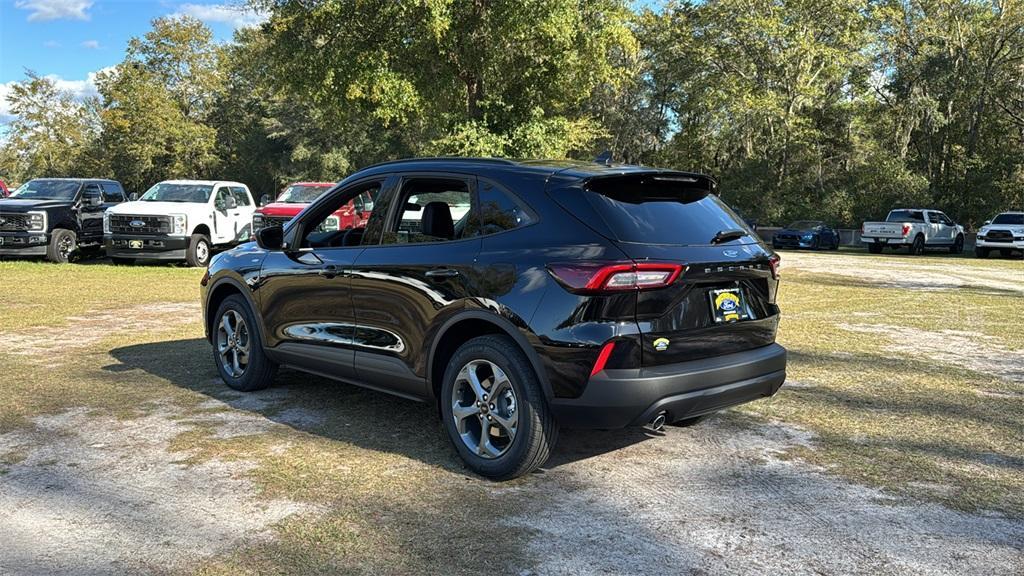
<point x="179" y="220"/>
<point x="1004" y="233"/>
<point x="913" y="228"/>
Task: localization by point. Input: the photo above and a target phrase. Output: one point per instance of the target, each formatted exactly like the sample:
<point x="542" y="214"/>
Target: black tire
<point x="917" y="248"/>
<point x="875" y="248"/>
<point x="122" y="261"/>
<point x="536" y="429"/>
<point x="199" y="251"/>
<point x="835" y="242"/>
<point x="980" y="252"/>
<point x="687" y="422"/>
<point x="63" y="244"/>
<point x="1005" y="253"/>
<point x="259" y="370"/>
<point x="958" y="245"/>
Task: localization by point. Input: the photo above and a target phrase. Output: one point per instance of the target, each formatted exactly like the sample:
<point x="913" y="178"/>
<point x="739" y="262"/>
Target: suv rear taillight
<point x="906" y="229"/>
<point x="775" y="262"/>
<point x="597" y="277"/>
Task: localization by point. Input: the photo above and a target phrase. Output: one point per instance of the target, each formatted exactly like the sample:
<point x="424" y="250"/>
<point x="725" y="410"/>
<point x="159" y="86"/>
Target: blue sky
<point x="70" y="40"/>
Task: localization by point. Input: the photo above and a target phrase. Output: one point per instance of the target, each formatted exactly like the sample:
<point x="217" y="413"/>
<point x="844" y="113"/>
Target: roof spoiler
<point x="671" y="186"/>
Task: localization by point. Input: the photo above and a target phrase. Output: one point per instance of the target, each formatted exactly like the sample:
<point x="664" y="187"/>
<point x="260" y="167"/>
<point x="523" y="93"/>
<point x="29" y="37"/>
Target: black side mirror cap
<point x="270" y="238"/>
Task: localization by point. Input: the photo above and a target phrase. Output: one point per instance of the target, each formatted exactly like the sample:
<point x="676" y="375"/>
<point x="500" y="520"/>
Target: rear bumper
<point x="153" y="247"/>
<point x="886" y="241"/>
<point x="632" y="397"/>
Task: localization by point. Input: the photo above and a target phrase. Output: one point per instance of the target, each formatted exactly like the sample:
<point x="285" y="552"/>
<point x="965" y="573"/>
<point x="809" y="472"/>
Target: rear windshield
<point x="663" y="212"/>
<point x="905" y="216"/>
<point x="1011" y="219"/>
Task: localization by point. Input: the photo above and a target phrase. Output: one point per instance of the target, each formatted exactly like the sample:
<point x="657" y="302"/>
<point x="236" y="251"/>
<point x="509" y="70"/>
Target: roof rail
<point x="502" y="161"/>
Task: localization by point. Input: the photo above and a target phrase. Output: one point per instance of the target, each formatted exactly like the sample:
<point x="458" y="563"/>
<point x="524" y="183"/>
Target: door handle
<point x="329" y="271"/>
<point x="442" y="273"/>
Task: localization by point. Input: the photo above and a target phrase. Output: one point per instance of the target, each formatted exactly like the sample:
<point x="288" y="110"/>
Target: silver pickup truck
<point x="915" y="229"/>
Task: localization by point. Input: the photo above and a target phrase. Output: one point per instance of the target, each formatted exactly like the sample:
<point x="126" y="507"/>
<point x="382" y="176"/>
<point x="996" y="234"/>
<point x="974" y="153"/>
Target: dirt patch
<point x="83" y="331"/>
<point x="970" y="350"/>
<point x="96" y="495"/>
<point x="716" y="499"/>
<point x="907" y="274"/>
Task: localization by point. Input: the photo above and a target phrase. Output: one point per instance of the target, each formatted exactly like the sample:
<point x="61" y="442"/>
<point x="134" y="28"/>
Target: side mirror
<point x="133" y="196"/>
<point x="230" y="203"/>
<point x="987" y="222"/>
<point x="265" y="199"/>
<point x="92" y="199"/>
<point x="270" y="238"/>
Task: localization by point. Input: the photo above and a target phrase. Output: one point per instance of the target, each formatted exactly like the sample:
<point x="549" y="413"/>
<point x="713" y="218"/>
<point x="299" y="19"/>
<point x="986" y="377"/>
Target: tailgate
<point x="883" y="229"/>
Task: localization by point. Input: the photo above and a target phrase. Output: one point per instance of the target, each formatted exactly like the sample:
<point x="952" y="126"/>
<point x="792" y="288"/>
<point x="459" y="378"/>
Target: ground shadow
<point x="339" y="411"/>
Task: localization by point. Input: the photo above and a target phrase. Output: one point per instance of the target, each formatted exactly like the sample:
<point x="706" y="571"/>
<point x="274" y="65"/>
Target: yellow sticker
<point x="661" y="344"/>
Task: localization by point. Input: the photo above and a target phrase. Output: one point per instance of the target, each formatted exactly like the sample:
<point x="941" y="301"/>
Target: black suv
<point x="53" y="217"/>
<point x="517" y="296"/>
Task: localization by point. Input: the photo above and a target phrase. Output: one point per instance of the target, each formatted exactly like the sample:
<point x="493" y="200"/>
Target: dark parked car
<point x="811" y="234"/>
<point x="54" y="217"/>
<point x="560" y="294"/>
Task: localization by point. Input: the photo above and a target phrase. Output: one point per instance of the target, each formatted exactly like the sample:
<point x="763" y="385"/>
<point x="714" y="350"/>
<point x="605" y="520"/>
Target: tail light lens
<point x="598" y="277"/>
<point x="906" y="229"/>
<point x="775" y="262"/>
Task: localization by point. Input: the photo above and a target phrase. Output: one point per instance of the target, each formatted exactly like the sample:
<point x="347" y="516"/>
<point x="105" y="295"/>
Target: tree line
<point x="825" y="109"/>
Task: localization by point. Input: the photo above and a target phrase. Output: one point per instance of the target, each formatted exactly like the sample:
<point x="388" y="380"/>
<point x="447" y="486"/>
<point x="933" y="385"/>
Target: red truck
<point x="4" y="192"/>
<point x="299" y="195"/>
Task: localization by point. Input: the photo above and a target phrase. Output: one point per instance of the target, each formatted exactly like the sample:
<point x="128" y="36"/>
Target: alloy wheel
<point x="233" y="343"/>
<point x="484" y="407"/>
<point x="65" y="247"/>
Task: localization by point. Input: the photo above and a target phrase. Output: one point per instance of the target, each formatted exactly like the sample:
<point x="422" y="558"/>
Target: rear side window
<point x="662" y="210"/>
<point x="433" y="210"/>
<point x="498" y="212"/>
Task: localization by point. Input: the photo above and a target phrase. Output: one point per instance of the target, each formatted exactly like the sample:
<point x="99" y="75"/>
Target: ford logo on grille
<point x="730" y="253"/>
<point x="136" y="223"/>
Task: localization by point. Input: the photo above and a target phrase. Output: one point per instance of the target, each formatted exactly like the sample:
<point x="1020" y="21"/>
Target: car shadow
<point x="343" y="412"/>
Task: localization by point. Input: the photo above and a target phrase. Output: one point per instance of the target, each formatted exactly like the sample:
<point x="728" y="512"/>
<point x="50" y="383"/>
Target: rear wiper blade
<point x="727" y="235"/>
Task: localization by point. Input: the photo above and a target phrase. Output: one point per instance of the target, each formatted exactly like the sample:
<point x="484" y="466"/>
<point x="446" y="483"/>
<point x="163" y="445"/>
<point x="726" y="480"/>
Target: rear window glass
<point x="643" y="211"/>
<point x="905" y="216"/>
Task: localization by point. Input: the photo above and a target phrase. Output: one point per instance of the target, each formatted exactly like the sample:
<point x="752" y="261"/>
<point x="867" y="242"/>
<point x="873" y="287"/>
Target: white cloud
<point x="235" y="15"/>
<point x="79" y="89"/>
<point x="91" y="44"/>
<point x="43" y="10"/>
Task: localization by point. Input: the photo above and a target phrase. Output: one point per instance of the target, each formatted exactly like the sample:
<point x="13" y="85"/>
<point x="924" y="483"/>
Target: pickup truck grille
<point x="127" y="224"/>
<point x="264" y="221"/>
<point x="999" y="236"/>
<point x="13" y="222"/>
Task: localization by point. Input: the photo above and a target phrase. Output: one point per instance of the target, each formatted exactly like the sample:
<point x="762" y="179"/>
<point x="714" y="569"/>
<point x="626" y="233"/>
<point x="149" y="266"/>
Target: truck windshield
<point x="299" y="194"/>
<point x="47" y="190"/>
<point x="165" y="192"/>
<point x="1011" y="219"/>
<point x="905" y="216"/>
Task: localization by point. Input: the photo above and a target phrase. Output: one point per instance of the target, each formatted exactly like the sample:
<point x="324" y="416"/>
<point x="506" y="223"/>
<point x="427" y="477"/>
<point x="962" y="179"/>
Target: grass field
<point x="120" y="449"/>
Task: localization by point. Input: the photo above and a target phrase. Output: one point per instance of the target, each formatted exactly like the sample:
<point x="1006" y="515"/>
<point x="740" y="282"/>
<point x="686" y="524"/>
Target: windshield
<point x="165" y="192"/>
<point x="803" y="225"/>
<point x="47" y="190"/>
<point x="1011" y="219"/>
<point x="905" y="216"/>
<point x="299" y="194"/>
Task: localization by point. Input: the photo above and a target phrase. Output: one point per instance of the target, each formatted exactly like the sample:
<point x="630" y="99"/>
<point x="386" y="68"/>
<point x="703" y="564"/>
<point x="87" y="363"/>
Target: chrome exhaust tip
<point x="657" y="423"/>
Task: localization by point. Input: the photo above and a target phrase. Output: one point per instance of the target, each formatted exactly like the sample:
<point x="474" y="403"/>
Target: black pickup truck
<point x="54" y="217"/>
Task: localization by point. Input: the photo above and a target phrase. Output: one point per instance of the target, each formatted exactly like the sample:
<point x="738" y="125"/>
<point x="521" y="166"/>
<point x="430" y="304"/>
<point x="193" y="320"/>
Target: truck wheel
<point x="238" y="348"/>
<point x="958" y="245"/>
<point x="1005" y="253"/>
<point x="198" y="254"/>
<point x="917" y="248"/>
<point x="980" y="252"/>
<point x="494" y="410"/>
<point x="875" y="248"/>
<point x="122" y="261"/>
<point x="63" y="244"/>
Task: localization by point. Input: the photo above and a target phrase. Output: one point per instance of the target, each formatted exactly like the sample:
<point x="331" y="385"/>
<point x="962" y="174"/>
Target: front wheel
<point x="63" y="244"/>
<point x="198" y="254"/>
<point x="238" y="348"/>
<point x="875" y="248"/>
<point x="494" y="409"/>
<point x="958" y="245"/>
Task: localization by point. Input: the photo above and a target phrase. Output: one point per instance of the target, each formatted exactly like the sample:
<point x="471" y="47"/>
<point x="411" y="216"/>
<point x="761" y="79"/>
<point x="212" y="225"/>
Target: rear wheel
<point x="494" y="409"/>
<point x="958" y="245"/>
<point x="238" y="348"/>
<point x="980" y="252"/>
<point x="917" y="248"/>
<point x="875" y="248"/>
<point x="198" y="254"/>
<point x="63" y="244"/>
